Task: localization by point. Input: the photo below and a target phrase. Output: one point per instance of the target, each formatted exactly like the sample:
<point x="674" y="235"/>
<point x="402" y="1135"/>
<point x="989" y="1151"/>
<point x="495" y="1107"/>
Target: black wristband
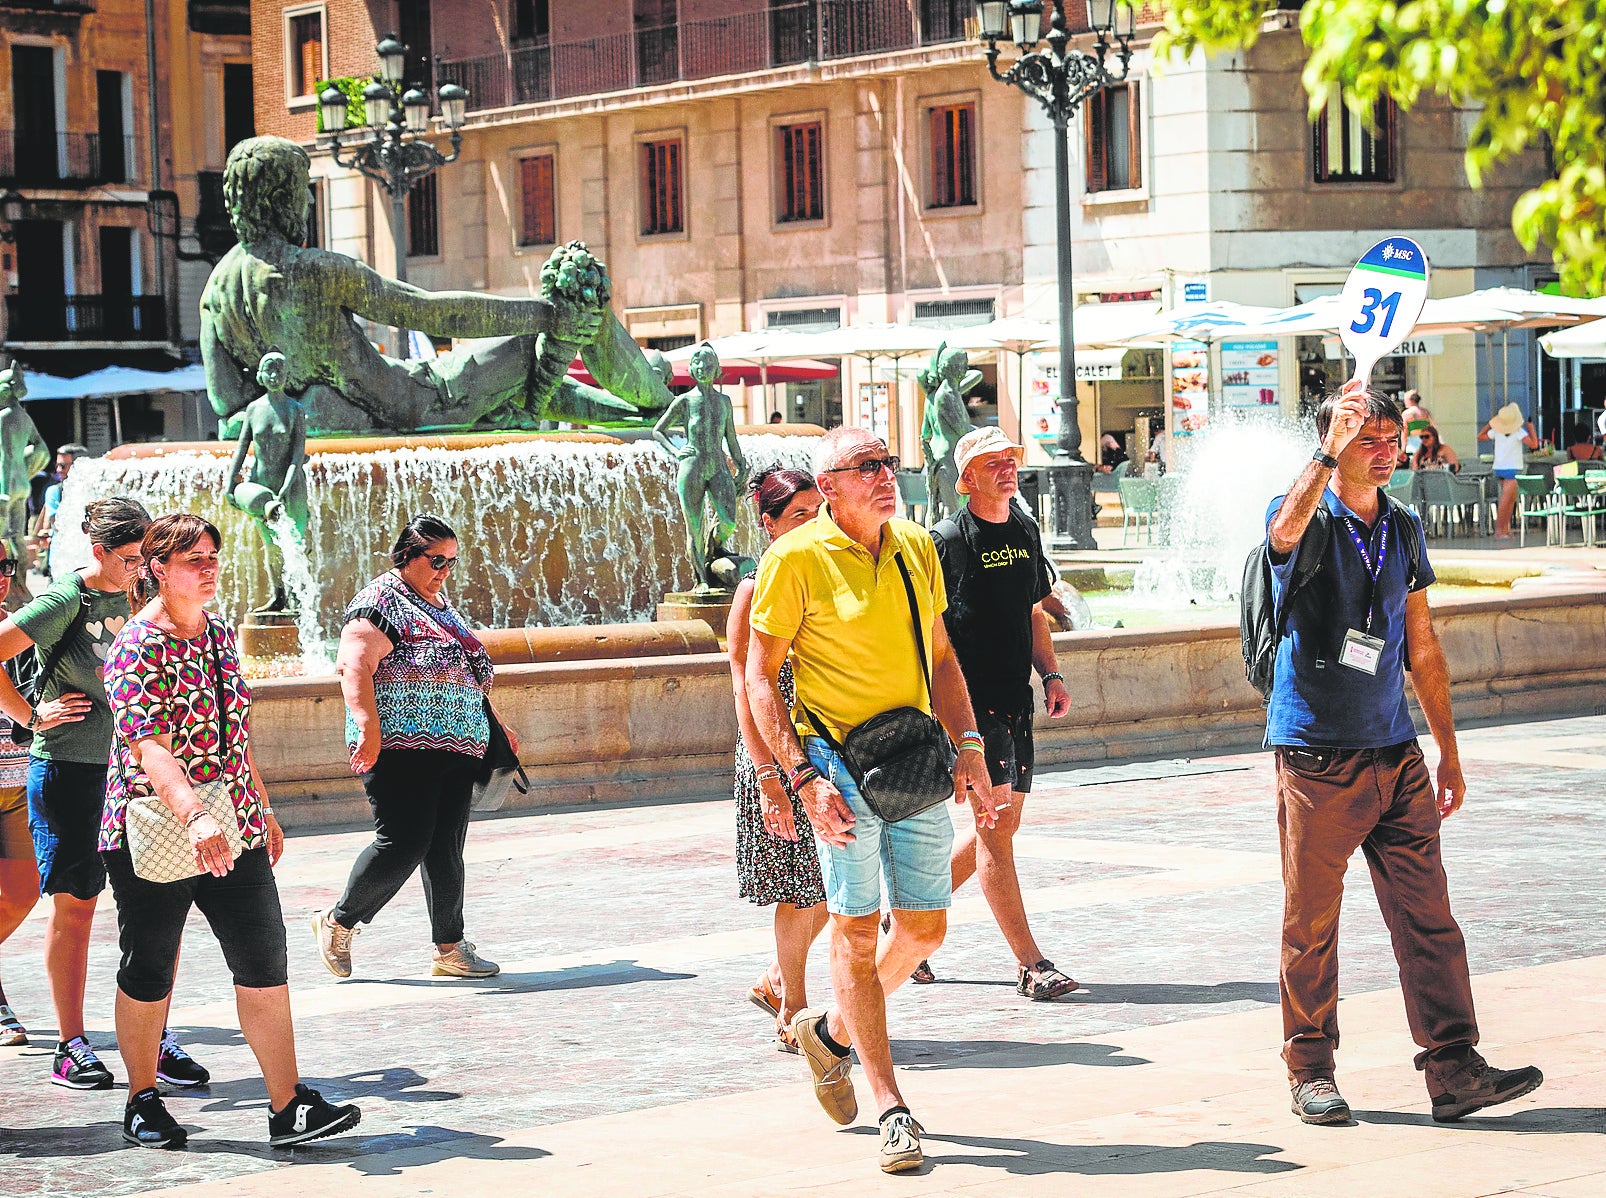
<point x="1325" y="459"/>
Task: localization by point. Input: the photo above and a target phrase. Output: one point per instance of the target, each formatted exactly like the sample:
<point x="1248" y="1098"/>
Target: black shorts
<point x="1007" y="738"/>
<point x="242" y="906"/>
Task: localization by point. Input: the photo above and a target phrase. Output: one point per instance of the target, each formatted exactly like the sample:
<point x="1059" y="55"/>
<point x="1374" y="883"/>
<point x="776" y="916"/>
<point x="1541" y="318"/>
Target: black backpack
<point x="1262" y="624"/>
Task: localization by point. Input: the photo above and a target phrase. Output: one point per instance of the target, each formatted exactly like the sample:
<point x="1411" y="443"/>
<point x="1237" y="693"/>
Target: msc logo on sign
<point x="1002" y="557"/>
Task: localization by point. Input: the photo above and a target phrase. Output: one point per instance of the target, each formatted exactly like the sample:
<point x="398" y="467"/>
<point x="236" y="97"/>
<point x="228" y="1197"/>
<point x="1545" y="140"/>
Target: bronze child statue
<point x="274" y="431"/>
<point x="705" y="474"/>
<point x="23" y="454"/>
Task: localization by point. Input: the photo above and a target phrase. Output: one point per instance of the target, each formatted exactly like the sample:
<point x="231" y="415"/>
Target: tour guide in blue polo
<point x="1351" y="775"/>
<point x="832" y="595"/>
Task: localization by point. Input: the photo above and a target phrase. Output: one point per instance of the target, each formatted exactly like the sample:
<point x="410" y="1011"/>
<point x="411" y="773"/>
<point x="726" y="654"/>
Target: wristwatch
<point x="1324" y="458"/>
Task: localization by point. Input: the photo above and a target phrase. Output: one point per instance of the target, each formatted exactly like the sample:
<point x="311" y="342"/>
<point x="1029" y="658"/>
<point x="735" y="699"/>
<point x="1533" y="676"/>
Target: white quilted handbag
<point x="159" y="844"/>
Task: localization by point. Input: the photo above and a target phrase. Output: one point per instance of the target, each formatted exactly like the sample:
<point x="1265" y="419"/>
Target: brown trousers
<point x="1330" y="802"/>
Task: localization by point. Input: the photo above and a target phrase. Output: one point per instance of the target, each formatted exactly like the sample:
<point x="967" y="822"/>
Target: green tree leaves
<point x="1534" y="71"/>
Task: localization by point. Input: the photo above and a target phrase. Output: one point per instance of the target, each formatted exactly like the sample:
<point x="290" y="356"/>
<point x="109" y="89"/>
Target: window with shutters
<point x="304" y="61"/>
<point x="424" y="219"/>
<point x="661" y="187"/>
<point x="539" y="201"/>
<point x="953" y="156"/>
<point x="1354" y="147"/>
<point x="800" y="172"/>
<point x="1112" y="133"/>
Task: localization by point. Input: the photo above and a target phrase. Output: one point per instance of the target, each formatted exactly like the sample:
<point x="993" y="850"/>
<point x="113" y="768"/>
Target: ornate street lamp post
<point x="1061" y="79"/>
<point x="391" y="148"/>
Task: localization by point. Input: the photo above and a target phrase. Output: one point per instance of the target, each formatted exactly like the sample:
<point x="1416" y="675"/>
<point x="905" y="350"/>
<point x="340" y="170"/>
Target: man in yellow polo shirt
<point x="830" y="593"/>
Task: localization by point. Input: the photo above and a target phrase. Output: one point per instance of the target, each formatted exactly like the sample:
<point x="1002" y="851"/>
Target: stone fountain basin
<point x="640" y="728"/>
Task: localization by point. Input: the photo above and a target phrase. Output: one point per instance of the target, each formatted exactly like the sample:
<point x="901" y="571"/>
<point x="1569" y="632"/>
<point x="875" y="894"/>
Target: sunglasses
<point x="439" y="561"/>
<point x="869" y="468"/>
<point x="8" y="567"/>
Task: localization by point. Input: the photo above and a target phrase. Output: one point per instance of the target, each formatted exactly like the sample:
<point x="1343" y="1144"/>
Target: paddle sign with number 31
<point x="1382" y="299"/>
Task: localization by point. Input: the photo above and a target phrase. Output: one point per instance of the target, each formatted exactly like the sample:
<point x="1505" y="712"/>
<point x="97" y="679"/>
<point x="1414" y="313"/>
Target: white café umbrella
<point x="1580" y="341"/>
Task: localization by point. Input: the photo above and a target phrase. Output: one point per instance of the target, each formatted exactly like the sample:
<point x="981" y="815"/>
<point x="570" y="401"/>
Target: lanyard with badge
<point x="1362" y="651"/>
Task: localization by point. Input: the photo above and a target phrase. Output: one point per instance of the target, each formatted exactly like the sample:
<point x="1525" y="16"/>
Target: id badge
<point x="1361" y="652"/>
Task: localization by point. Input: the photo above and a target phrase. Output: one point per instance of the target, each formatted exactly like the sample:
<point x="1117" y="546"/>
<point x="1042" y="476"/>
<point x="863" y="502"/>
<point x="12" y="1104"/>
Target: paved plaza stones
<point x="616" y="1052"/>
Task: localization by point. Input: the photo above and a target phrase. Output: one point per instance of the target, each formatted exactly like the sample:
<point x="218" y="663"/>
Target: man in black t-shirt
<point x="997" y="576"/>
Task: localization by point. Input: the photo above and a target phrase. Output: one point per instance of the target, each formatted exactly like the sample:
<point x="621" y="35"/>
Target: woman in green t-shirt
<point x="72" y="625"/>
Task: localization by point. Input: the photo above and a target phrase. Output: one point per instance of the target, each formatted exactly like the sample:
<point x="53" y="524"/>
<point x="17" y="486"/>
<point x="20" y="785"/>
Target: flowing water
<point x="1213" y="508"/>
<point x="552" y="533"/>
<point x="302" y="584"/>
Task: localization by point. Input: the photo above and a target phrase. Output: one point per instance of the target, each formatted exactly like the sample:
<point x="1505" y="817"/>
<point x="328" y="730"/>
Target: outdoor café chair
<point x="1436" y="502"/>
<point x="1140" y="502"/>
<point x="1534" y="500"/>
<point x="1402" y="487"/>
<point x="1575" y="501"/>
<point x="912" y="491"/>
<point x="1468" y="495"/>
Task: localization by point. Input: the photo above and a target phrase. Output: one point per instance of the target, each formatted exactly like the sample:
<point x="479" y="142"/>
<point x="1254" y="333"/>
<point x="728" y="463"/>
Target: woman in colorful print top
<point x="416" y="681"/>
<point x="181" y="717"/>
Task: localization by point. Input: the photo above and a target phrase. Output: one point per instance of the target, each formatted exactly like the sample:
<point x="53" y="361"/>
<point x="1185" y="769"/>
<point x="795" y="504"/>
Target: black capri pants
<point x="242" y="906"/>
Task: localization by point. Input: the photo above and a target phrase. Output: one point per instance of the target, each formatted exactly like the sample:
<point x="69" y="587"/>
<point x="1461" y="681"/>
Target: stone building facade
<point x="756" y="163"/>
<point x="115" y="116"/>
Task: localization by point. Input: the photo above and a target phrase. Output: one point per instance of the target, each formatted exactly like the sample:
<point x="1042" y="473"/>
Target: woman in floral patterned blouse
<point x="181" y="713"/>
<point x="416" y="681"/>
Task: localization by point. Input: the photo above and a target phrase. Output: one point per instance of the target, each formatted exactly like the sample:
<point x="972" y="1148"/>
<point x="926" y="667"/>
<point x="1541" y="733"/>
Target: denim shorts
<point x="64" y="802"/>
<point x="912" y="853"/>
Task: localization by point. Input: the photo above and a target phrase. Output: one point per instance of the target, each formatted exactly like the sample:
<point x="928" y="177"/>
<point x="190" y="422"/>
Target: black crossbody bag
<point x="901" y="759"/>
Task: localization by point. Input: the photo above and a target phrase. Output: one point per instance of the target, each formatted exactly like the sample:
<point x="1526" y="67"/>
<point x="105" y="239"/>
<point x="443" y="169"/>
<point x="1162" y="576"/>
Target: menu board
<point x="875" y="401"/>
<point x="1043" y="391"/>
<point x="1190" y="387"/>
<point x="1249" y="374"/>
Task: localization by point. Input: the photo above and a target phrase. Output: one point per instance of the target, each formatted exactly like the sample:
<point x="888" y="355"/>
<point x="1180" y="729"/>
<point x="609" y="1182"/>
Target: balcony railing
<point x="784" y="35"/>
<point x="86" y="318"/>
<point x="73" y="7"/>
<point x="64" y="159"/>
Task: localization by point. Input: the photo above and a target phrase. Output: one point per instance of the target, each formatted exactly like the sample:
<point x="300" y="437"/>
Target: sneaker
<point x="832" y="1085"/>
<point x="334" y="943"/>
<point x="12" y="1033"/>
<point x="78" y="1068"/>
<point x="308" y="1117"/>
<point x="176" y="1067"/>
<point x="147" y="1123"/>
<point x="900" y="1143"/>
<point x="1480" y="1084"/>
<point x="1317" y="1100"/>
<point x="463" y="962"/>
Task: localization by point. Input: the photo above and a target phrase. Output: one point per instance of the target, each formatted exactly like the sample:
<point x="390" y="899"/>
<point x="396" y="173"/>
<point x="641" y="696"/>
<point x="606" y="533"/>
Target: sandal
<point x="923" y="974"/>
<point x="12" y="1033"/>
<point x="784" y="1040"/>
<point x="1043" y="982"/>
<point x="764" y="997"/>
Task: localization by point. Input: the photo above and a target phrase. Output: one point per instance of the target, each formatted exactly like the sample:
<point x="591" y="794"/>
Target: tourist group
<point x="879" y="671"/>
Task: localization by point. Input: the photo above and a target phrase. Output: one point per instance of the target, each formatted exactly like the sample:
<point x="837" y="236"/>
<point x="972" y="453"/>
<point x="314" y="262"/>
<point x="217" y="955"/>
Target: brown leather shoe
<point x="1479" y="1084"/>
<point x="832" y="1085"/>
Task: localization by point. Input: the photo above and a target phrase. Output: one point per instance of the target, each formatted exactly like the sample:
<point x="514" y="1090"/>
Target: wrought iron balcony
<point x="29" y="159"/>
<point x="68" y="7"/>
<point x="786" y="35"/>
<point x="31" y="318"/>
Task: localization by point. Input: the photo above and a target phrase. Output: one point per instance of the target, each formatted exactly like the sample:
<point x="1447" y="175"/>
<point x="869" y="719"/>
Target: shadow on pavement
<point x="1004" y="1054"/>
<point x="1555" y="1120"/>
<point x="1159" y="994"/>
<point x="1033" y="1158"/>
<point x="578" y="977"/>
<point x="398" y="1084"/>
<point x="429" y="1145"/>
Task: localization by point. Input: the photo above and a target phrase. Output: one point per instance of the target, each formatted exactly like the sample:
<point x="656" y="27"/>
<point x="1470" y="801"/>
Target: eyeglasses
<point x="868" y="468"/>
<point x="439" y="561"/>
<point x="8" y="567"/>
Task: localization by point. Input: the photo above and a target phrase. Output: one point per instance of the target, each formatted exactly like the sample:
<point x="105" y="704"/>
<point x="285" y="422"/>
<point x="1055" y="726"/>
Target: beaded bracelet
<point x="767" y="773"/>
<point x="972" y="740"/>
<point x="1053" y="676"/>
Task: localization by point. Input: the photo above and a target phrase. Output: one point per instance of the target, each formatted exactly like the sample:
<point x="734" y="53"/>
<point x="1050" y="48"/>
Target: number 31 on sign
<point x="1382" y="299"/>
